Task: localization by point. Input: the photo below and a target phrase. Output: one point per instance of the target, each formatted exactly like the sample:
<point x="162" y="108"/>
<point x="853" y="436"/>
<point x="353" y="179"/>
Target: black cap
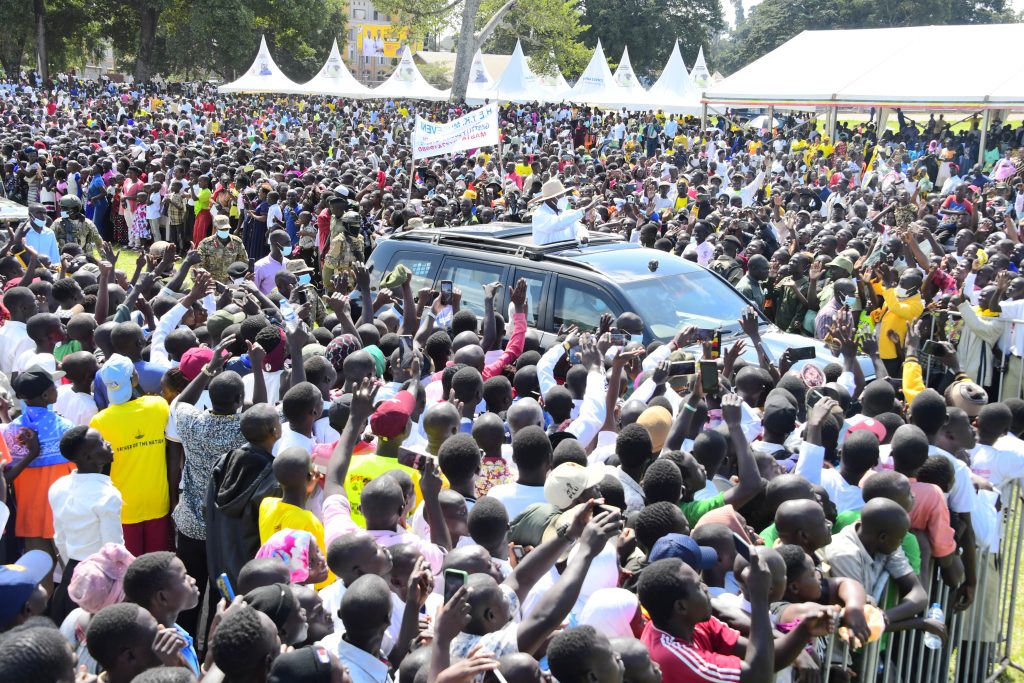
<point x="306" y="665"/>
<point x="238" y="269"/>
<point x="34" y="382"/>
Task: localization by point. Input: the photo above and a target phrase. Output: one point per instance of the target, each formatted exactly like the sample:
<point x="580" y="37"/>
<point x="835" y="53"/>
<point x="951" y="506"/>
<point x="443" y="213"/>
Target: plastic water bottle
<point x="931" y="641"/>
<point x="291" y="319"/>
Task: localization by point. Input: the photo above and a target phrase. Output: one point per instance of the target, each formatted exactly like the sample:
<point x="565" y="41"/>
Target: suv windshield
<point x="668" y="303"/>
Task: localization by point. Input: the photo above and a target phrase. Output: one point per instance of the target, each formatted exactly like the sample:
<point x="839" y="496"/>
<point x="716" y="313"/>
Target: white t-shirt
<point x="516" y="497"/>
<point x="76" y="407"/>
<point x="153" y="208"/>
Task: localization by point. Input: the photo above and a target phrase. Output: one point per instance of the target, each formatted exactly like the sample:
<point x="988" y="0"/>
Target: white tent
<point x="263" y="76"/>
<point x="871" y="80"/>
<point x="700" y="74"/>
<point x="596" y="83"/>
<point x="481" y="85"/>
<point x="335" y="80"/>
<point x="674" y="92"/>
<point x="518" y="83"/>
<point x="407" y="83"/>
<point x="626" y="90"/>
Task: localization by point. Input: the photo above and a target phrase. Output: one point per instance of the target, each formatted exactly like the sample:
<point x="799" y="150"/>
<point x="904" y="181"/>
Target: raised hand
<point x="257" y="354"/>
<point x="362" y="401"/>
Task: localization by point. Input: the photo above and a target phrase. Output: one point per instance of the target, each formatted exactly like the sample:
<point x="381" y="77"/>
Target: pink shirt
<point x="337" y="516"/>
<point x="930" y="513"/>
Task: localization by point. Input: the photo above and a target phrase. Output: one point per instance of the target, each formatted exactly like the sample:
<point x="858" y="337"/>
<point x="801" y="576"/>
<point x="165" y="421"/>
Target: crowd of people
<point x="236" y="455"/>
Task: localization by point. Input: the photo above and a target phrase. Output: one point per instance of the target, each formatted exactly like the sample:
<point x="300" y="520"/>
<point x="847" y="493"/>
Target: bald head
<point x="523" y="413"/>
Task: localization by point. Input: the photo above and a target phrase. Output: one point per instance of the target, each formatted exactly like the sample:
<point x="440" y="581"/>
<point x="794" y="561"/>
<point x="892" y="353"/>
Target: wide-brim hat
<point x="552" y="189"/>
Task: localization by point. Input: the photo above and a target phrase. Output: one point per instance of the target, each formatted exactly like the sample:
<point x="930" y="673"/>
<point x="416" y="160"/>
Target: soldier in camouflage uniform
<point x="221" y="249"/>
<point x="346" y="248"/>
<point x="74" y="227"/>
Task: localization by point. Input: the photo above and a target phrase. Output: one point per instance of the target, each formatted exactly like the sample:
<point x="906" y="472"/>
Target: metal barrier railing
<point x="979" y="643"/>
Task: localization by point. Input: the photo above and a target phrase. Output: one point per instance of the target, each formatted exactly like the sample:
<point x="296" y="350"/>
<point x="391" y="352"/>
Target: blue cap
<point x="19" y="580"/>
<point x="116" y="375"/>
<point x="686" y="549"/>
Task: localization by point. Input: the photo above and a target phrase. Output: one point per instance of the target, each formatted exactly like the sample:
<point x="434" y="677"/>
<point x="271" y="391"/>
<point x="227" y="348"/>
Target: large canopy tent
<point x="407" y="83"/>
<point x="876" y="77"/>
<point x="700" y="74"/>
<point x="481" y="85"/>
<point x="263" y="76"/>
<point x="335" y="80"/>
<point x="674" y="92"/>
<point x="595" y="83"/>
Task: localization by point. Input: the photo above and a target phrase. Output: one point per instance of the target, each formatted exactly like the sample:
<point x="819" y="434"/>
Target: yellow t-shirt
<point x="135" y="431"/>
<point x="366" y="468"/>
<point x="275" y="514"/>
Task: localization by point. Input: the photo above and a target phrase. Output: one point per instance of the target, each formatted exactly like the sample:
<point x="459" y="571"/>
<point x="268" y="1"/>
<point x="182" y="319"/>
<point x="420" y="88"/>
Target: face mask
<point x="563" y="203"/>
<point x="904" y="293"/>
<point x="39" y="222"/>
<point x="63" y="214"/>
<point x="237" y="280"/>
<point x="286" y="251"/>
<point x="223" y="234"/>
<point x="851" y="301"/>
<point x="305" y="279"/>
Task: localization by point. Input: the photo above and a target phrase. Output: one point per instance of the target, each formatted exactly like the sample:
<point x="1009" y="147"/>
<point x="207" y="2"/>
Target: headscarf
<point x="291" y="547"/>
<point x="339" y="349"/>
<point x="98" y="580"/>
<point x="611" y="611"/>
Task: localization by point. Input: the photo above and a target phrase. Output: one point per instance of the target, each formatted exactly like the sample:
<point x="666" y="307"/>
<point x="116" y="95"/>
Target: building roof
<point x="495" y="63"/>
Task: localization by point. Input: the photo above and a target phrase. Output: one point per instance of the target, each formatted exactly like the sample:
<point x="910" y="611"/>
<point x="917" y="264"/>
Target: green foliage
<point x="650" y="27"/>
<point x="550" y="32"/>
<point x="773" y="22"/>
<point x="72" y="33"/>
<point x="436" y="74"/>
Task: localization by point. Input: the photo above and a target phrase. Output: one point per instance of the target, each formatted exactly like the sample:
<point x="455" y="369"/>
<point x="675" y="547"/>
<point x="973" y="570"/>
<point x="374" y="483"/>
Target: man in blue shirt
<point x="39" y="237"/>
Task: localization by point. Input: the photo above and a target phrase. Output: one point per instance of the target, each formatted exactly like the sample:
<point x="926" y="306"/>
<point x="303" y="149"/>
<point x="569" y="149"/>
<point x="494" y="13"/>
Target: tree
<point x="424" y="15"/>
<point x="773" y="22"/>
<point x="18" y="21"/>
<point x="549" y="31"/>
<point x="648" y="28"/>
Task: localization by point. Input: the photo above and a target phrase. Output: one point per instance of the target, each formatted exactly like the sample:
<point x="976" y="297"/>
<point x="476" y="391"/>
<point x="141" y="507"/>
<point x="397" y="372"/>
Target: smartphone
<point x="683" y="367"/>
<point x="607" y="508"/>
<point x="709" y="376"/>
<point x="934" y="348"/>
<point x="742" y="547"/>
<point x="619" y="339"/>
<point x="224" y="586"/>
<point x="410" y="458"/>
<point x="802" y="353"/>
<point x="704" y="334"/>
<point x="446" y="292"/>
<point x="406" y="354"/>
<point x="453" y="581"/>
<point x="302" y="295"/>
<point x="519" y="552"/>
<point x="575" y="355"/>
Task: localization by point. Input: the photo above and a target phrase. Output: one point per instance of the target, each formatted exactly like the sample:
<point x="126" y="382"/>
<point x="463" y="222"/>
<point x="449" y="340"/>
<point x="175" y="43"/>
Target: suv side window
<point x="470" y="277"/>
<point x="422" y="265"/>
<point x="581" y="304"/>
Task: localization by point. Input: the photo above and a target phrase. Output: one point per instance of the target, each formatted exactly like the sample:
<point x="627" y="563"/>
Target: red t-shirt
<point x="707" y="659"/>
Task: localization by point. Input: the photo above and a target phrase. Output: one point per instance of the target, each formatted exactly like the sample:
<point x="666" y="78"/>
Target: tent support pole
<point x="771" y="120"/>
<point x="704" y="116"/>
<point x="832" y="120"/>
<point x="985" y="120"/>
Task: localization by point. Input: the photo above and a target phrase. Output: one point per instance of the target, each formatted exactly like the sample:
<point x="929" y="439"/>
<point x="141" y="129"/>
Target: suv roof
<point x="608" y="254"/>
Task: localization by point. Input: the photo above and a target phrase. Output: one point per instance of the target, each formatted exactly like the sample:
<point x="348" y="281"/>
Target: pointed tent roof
<point x="626" y="90"/>
<point x="335" y="79"/>
<point x="674" y="92"/>
<point x="700" y="75"/>
<point x="595" y="82"/>
<point x="481" y="85"/>
<point x="556" y="87"/>
<point x="518" y="83"/>
<point x="406" y="82"/>
<point x="263" y="76"/>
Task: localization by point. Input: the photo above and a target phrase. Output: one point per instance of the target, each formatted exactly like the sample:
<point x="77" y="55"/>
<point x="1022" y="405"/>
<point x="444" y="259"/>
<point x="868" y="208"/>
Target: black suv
<point x="572" y="284"/>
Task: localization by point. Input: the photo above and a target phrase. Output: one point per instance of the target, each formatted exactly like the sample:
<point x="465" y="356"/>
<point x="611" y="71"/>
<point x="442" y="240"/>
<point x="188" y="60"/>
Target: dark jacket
<point x="241" y="479"/>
